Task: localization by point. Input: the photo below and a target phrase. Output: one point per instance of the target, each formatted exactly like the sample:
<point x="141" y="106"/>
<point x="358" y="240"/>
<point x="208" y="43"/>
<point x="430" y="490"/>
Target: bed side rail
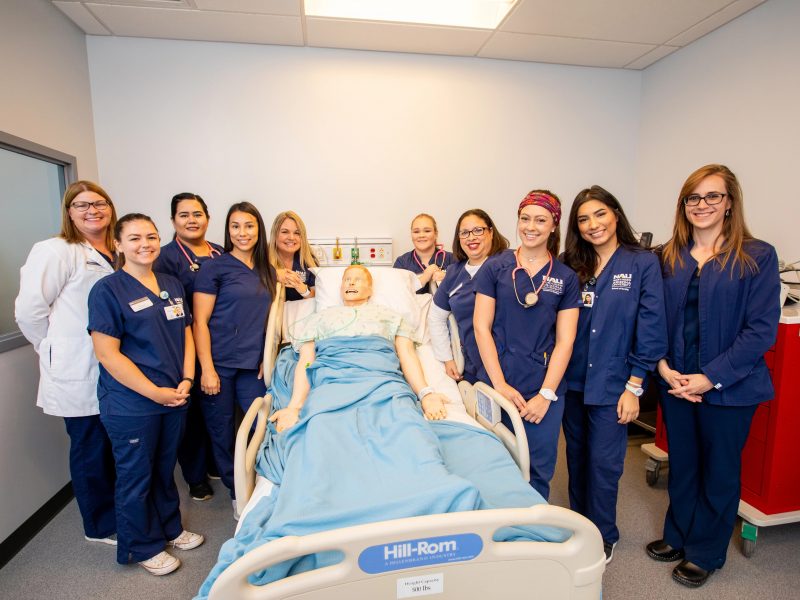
<point x="580" y="558"/>
<point x="275" y="329"/>
<point x="515" y="441"/>
<point x="244" y="471"/>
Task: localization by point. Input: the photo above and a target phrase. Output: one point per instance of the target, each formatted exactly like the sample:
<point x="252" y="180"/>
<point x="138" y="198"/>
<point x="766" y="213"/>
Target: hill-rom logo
<point x="425" y="551"/>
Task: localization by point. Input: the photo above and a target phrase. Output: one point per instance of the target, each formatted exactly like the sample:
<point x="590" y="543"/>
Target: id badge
<point x="140" y="304"/>
<point x="588" y="299"/>
<point x="174" y="311"/>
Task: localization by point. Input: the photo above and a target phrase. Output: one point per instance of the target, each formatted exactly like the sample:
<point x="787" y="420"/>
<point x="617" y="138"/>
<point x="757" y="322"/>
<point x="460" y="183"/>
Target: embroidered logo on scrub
<point x="554" y="285"/>
<point x="424" y="551"/>
<point x="622" y="281"/>
<point x="134" y="441"/>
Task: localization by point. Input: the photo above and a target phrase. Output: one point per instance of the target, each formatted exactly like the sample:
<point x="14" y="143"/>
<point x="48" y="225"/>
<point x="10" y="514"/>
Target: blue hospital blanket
<point x="362" y="452"/>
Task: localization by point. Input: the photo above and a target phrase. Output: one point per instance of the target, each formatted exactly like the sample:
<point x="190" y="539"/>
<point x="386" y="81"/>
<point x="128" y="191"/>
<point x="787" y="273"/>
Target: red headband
<point x="545" y="201"/>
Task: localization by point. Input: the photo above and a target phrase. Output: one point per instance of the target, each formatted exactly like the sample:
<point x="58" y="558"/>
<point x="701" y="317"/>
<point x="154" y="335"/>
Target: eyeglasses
<point x="476" y="231"/>
<point x="711" y="199"/>
<point x="84" y="206"/>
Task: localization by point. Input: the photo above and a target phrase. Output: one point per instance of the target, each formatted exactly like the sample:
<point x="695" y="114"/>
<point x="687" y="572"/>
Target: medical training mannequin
<point x="475" y="240"/>
<point x="622" y="334"/>
<point x="183" y="258"/>
<point x="141" y="330"/>
<point x="426" y="260"/>
<point x="232" y="296"/>
<point x="356" y="290"/>
<point x="526" y="316"/>
<point x="52" y="313"/>
<point x="721" y="295"/>
<point x="291" y="257"/>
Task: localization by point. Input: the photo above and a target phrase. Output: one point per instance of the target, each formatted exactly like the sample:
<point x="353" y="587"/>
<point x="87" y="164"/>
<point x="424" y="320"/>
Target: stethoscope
<point x="531" y="298"/>
<point x="436" y="254"/>
<point x="193" y="264"/>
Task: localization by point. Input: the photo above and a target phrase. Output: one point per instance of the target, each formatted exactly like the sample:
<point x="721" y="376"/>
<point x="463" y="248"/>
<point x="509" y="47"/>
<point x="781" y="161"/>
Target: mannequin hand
<point x="451" y="370"/>
<point x="627" y="407"/>
<point x="694" y="387"/>
<point x="433" y="406"/>
<point x="285" y="418"/>
<point x="209" y="383"/>
<point x="170" y="396"/>
<point x="535" y="409"/>
<point x="512" y="395"/>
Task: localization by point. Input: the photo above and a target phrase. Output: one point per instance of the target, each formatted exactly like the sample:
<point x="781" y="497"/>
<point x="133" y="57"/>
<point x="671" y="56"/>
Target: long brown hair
<point x="734" y="230"/>
<point x="68" y="230"/>
<point x="580" y="255"/>
<point x="499" y="242"/>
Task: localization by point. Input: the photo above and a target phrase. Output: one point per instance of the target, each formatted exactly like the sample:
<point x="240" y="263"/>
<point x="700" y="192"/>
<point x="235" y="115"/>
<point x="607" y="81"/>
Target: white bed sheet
<point x="435" y="375"/>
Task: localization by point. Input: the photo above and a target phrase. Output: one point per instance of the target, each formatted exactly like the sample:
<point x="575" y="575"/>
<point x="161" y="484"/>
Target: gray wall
<point x="47" y="100"/>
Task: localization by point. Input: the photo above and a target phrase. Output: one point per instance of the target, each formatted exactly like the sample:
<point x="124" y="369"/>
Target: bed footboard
<point x="451" y="556"/>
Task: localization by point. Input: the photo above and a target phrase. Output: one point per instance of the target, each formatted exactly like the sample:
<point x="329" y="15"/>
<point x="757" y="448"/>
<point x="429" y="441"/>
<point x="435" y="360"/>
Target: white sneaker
<point x="187" y="540"/>
<point x="161" y="564"/>
<point x="110" y="540"/>
<point x="236" y="514"/>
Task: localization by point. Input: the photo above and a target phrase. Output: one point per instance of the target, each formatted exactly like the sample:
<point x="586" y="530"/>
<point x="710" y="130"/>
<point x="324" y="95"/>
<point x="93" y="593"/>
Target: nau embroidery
<point x="554" y="285"/>
<point x="622" y="281"/>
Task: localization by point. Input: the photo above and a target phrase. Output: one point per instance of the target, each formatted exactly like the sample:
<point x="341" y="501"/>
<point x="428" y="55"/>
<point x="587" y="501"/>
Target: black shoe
<point x="201" y="491"/>
<point x="689" y="574"/>
<point x="663" y="552"/>
<point x="608" y="548"/>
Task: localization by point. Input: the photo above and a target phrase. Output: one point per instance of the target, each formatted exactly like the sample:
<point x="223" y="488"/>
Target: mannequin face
<point x="356" y="287"/>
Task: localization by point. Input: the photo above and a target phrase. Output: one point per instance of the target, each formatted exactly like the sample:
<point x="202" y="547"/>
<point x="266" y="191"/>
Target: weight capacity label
<point x="422" y="585"/>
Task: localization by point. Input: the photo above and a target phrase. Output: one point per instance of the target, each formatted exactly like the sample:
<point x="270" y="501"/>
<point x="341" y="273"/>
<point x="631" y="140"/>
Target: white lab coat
<point x="52" y="312"/>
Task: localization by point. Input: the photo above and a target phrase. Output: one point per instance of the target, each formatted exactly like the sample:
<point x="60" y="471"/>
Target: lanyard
<point x="193" y="265"/>
<point x="531" y="298"/>
<point x="435" y="258"/>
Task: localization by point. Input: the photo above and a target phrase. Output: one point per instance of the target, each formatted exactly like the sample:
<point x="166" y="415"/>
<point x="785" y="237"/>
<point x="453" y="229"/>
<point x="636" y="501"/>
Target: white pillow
<point x="394" y="288"/>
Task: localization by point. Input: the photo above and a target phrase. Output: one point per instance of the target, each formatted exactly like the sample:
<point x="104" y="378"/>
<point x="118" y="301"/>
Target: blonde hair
<point x="426" y="216"/>
<point x="307" y="258"/>
<point x="734" y="230"/>
<point x="68" y="230"/>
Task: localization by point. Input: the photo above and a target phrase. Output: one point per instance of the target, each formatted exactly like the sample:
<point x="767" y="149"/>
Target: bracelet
<point x="632" y="384"/>
<point x="189" y="379"/>
<point x="425" y="391"/>
<point x="307" y="293"/>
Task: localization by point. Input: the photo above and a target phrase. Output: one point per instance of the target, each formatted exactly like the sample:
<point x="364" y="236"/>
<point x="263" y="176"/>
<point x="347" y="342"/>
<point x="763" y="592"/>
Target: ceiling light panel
<point x="477" y="14"/>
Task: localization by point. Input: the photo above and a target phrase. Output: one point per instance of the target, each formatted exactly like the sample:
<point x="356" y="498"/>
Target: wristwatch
<point x="634" y="389"/>
<point x="548" y="394"/>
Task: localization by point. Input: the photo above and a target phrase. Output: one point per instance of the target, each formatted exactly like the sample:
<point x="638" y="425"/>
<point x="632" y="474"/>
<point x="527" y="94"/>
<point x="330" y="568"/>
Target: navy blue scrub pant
<point x="148" y="506"/>
<point x="91" y="466"/>
<point x="596" y="446"/>
<point x="543" y="446"/>
<point x="705" y="463"/>
<point x="194" y="453"/>
<point x="240" y="386"/>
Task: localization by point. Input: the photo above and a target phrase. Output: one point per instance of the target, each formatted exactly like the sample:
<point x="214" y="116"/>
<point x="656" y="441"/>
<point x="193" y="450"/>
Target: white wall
<point x="732" y="98"/>
<point x="45" y="99"/>
<point x="355" y="142"/>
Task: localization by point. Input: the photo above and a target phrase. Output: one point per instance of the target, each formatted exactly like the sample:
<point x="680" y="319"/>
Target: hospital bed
<point x="571" y="569"/>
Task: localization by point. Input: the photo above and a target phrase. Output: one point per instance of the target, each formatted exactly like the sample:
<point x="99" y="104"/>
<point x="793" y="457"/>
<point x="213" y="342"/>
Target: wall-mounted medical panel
<point x="338" y="251"/>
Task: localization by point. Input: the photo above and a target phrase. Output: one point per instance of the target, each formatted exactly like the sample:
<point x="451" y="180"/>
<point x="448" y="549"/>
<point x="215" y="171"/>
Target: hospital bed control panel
<point x="339" y="251"/>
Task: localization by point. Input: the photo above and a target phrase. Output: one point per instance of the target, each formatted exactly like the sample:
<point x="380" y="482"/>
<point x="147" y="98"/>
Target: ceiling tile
<point x="264" y="7"/>
<point x="394" y="37"/>
<point x="654" y="55"/>
<point x="200" y="25"/>
<point x="562" y="50"/>
<point x="642" y="21"/>
<point x="711" y="23"/>
<point x="82" y="18"/>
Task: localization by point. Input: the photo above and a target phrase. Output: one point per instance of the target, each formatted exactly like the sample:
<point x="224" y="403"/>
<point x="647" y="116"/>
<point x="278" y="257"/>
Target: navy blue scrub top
<point x="623" y="333"/>
<point x="306" y="276"/>
<point x="239" y="319"/>
<point x="738" y="318"/>
<point x="691" y="326"/>
<point x="456" y="294"/>
<point x="406" y="261"/>
<point x="172" y="262"/>
<point x="122" y="307"/>
<point x="525" y="337"/>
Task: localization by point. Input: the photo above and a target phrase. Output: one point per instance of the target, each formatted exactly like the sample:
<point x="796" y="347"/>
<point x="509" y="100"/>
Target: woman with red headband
<point x="526" y="316"/>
